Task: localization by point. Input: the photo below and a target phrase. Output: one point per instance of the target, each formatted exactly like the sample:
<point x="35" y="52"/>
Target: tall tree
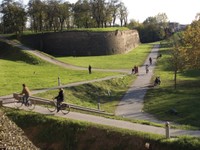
<point x="14" y="17"/>
<point x="123" y="14"/>
<point x="82" y="14"/>
<point x="114" y="8"/>
<point x="36" y="11"/>
<point x="177" y="59"/>
<point x="162" y="21"/>
<point x="98" y="8"/>
<point x="191" y="38"/>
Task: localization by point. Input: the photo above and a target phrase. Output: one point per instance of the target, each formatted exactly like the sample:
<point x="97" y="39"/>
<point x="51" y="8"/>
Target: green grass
<point x="185" y="99"/>
<point x="99" y="29"/>
<point x="19" y="67"/>
<point x="28" y="32"/>
<point x="89" y="134"/>
<point x="108" y="92"/>
<point x="121" y="61"/>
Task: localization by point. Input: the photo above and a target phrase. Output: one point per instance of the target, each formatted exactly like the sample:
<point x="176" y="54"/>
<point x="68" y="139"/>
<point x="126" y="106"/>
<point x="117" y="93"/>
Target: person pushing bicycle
<point x="59" y="98"/>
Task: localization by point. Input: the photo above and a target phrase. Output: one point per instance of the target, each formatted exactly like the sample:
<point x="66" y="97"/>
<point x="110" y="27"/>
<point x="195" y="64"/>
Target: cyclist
<point x="26" y="93"/>
<point x="157" y="81"/>
<point x="59" y="98"/>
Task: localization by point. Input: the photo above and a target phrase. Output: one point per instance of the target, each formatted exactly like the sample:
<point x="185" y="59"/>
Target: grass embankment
<point x="48" y="132"/>
<point x="108" y="29"/>
<point x="161" y="101"/>
<point x="120" y="61"/>
<point x="19" y="67"/>
<point x="108" y="93"/>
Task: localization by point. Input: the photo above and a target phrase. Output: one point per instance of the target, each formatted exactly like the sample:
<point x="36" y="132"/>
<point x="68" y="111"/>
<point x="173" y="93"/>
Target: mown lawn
<point x="164" y="100"/>
<point x="121" y="61"/>
<point x="19" y="67"/>
<point x="108" y="93"/>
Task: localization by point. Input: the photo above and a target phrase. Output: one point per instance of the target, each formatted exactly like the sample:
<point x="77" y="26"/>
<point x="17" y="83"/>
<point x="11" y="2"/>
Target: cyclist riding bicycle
<point x="59" y="98"/>
<point x="26" y="93"/>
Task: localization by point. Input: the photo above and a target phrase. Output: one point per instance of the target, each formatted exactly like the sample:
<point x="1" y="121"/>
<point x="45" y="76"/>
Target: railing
<point x="42" y="101"/>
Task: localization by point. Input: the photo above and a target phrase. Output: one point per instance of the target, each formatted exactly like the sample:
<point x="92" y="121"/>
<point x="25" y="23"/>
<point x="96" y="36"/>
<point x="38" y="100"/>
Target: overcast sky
<point x="182" y="11"/>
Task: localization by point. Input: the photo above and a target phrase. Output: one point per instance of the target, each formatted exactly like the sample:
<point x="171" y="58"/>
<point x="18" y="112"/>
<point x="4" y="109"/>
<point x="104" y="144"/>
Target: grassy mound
<point x="18" y="67"/>
<point x="48" y="132"/>
<point x="108" y="93"/>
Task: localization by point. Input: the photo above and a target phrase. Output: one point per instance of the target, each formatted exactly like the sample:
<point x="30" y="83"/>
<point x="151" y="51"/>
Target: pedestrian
<point x="90" y="69"/>
<point x="59" y="99"/>
<point x="26" y="94"/>
<point x="150" y="60"/>
<point x="135" y="69"/>
<point x="132" y="70"/>
<point x="147" y="68"/>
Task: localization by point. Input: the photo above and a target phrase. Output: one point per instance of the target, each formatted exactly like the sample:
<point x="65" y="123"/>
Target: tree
<point x="98" y="7"/>
<point x="82" y="14"/>
<point x="14" y="17"/>
<point x="162" y="21"/>
<point x="191" y="50"/>
<point x="51" y="15"/>
<point x="149" y="32"/>
<point x="176" y="59"/>
<point x="114" y="8"/>
<point x="154" y="28"/>
<point x="36" y="13"/>
<point x="134" y="24"/>
<point x="123" y="14"/>
<point x="63" y="14"/>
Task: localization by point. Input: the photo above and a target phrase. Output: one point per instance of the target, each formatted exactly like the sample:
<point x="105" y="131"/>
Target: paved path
<point x="57" y="62"/>
<point x="132" y="103"/>
<point x="114" y="123"/>
<point x="130" y="106"/>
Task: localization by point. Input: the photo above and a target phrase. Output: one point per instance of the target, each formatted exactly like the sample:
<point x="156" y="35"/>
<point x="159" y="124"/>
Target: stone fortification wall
<point x="84" y="43"/>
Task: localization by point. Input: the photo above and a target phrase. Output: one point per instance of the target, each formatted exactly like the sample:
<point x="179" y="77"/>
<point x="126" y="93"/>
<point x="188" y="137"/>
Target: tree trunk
<point x="175" y="78"/>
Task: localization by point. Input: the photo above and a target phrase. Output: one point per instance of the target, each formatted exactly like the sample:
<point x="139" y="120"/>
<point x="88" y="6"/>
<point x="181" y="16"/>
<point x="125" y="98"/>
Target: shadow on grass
<point x="191" y="73"/>
<point x="180" y="106"/>
<point x="7" y="52"/>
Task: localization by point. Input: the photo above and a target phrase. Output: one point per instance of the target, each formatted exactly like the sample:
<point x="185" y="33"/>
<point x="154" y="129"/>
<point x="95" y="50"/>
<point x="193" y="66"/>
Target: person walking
<point x="132" y="70"/>
<point x="90" y="69"/>
<point x="147" y="68"/>
<point x="150" y="60"/>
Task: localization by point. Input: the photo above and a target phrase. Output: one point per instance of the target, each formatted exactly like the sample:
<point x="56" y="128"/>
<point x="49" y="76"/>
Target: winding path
<point x="132" y="103"/>
<point x="130" y="106"/>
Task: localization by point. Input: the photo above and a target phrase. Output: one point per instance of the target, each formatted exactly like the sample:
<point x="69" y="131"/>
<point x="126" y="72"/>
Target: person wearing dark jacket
<point x="59" y="98"/>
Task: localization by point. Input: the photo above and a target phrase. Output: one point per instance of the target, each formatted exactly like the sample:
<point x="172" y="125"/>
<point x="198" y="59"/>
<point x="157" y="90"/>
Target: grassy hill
<point x="18" y="67"/>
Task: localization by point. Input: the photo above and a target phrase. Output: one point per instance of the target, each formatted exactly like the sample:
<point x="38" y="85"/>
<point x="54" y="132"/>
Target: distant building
<point x="175" y="27"/>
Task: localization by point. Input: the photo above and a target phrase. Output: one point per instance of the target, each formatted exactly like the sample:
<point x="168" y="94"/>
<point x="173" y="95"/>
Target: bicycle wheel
<point x="18" y="103"/>
<point x="51" y="106"/>
<point x="30" y="105"/>
<point x="65" y="108"/>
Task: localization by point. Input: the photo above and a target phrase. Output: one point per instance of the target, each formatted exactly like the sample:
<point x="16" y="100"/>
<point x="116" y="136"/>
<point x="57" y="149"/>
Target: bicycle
<point x="19" y="102"/>
<point x="52" y="107"/>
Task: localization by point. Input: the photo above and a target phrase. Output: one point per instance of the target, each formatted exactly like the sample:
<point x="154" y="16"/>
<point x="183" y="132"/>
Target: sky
<point x="181" y="11"/>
